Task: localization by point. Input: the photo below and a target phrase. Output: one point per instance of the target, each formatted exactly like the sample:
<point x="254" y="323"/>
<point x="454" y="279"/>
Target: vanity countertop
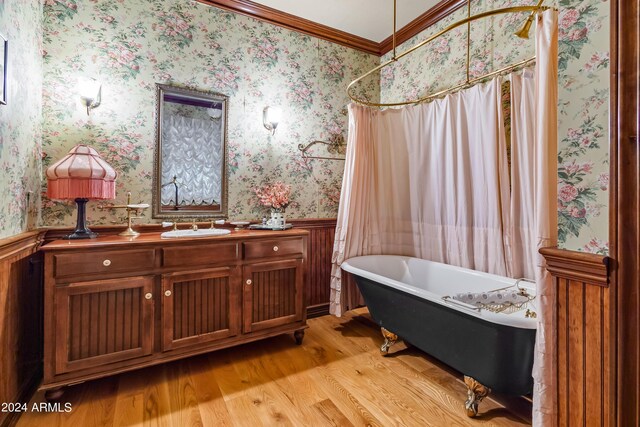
<point x="153" y="238"/>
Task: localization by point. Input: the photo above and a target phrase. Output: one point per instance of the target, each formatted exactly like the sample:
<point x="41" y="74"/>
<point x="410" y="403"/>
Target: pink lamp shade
<point x="81" y="174"/>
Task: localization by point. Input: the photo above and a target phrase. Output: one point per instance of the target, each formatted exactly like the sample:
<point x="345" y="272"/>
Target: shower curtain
<point x="432" y="181"/>
<point x="426" y="181"/>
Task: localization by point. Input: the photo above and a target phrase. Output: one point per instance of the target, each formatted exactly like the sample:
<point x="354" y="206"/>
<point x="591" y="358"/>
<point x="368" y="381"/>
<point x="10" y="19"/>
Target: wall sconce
<point x="90" y="91"/>
<point x="270" y="118"/>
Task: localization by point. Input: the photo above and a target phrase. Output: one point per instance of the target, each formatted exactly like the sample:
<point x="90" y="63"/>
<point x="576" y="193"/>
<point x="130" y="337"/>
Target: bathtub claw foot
<point x="389" y="340"/>
<point x="475" y="393"/>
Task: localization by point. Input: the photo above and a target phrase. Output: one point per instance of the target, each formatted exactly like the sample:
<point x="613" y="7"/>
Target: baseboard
<point x="317" y="310"/>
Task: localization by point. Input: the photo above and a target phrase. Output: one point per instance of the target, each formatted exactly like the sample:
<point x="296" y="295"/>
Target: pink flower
<point x="596" y="245"/>
<point x="573" y="133"/>
<point x="578" y="213"/>
<point x="577" y="34"/>
<point x="274" y="196"/>
<point x="585" y="141"/>
<point x="603" y="180"/>
<point x="567" y="193"/>
<point x="569" y="18"/>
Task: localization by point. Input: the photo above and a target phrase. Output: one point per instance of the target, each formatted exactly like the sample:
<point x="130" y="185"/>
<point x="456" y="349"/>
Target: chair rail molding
<point x="584" y="267"/>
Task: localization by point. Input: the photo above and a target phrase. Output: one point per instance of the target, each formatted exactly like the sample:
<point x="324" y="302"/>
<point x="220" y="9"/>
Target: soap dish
<point x="239" y="224"/>
<point x="268" y="227"/>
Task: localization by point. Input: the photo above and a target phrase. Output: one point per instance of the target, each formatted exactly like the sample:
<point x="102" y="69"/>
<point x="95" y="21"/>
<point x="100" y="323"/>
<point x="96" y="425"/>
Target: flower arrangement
<point x="275" y="196"/>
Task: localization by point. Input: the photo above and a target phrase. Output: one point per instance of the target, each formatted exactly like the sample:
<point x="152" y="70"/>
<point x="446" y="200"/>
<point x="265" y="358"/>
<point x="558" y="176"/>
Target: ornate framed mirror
<point x="190" y="172"/>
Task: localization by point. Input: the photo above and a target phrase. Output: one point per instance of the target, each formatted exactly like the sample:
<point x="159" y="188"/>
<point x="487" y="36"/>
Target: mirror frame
<point x="157" y="212"/>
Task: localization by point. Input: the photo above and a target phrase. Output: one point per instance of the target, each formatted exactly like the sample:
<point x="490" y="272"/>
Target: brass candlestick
<point x="129" y="232"/>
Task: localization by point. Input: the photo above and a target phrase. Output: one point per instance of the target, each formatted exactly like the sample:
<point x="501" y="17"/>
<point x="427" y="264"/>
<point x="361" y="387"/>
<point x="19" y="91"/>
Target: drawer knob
<point x="167" y="293"/>
<point x="249" y="281"/>
<point x="275" y="249"/>
<point x="106" y="262"/>
<point x="148" y="295"/>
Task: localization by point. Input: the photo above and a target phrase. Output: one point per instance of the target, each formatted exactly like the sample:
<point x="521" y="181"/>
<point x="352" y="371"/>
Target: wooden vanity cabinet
<point x="114" y="304"/>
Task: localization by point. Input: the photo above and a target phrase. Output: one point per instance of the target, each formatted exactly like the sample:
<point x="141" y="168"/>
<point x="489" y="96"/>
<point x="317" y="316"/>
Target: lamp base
<point x="81" y="234"/>
<point x="81" y="231"/>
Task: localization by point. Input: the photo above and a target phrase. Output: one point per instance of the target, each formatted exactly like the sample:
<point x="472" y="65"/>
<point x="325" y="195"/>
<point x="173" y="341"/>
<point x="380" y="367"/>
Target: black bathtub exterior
<point x="498" y="356"/>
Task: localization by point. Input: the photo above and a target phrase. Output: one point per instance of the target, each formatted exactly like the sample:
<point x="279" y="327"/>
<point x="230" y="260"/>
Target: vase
<point x="277" y="218"/>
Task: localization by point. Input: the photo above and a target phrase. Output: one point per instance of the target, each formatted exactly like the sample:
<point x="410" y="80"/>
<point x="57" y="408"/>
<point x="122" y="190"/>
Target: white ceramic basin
<point x="203" y="232"/>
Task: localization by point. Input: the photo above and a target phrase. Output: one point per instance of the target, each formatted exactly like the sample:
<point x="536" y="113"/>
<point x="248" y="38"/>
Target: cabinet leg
<point x="298" y="335"/>
<point x="53" y="394"/>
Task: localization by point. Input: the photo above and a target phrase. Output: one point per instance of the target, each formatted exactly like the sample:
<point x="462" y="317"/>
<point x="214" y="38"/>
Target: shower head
<point x="523" y="33"/>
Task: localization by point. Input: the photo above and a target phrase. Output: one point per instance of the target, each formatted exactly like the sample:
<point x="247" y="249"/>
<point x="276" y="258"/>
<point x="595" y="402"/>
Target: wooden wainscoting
<point x="20" y="320"/>
<point x="320" y="249"/>
<point x="585" y="338"/>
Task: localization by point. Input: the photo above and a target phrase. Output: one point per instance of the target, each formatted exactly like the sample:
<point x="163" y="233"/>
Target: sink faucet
<point x="169" y="224"/>
<point x="194" y="226"/>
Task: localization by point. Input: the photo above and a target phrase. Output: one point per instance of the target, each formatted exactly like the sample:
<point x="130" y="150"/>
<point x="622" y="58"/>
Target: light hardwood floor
<point x="335" y="378"/>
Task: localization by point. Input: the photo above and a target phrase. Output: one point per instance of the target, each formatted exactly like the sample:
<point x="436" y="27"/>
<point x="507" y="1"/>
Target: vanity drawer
<point x="273" y="248"/>
<point x="87" y="263"/>
<point x="199" y="255"/>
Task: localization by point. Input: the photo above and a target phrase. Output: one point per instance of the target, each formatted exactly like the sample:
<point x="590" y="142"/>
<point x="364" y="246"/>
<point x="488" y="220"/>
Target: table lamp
<point x="81" y="175"/>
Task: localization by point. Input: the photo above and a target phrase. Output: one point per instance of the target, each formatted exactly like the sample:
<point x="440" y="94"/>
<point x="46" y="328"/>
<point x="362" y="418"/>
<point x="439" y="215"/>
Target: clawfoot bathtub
<point x="410" y="297"/>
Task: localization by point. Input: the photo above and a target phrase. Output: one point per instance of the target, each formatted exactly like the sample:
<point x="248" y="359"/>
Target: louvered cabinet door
<point x="102" y="322"/>
<point x="200" y="307"/>
<point x="272" y="294"/>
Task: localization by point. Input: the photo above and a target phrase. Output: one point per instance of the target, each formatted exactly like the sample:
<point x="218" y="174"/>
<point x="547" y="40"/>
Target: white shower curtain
<point x="426" y="181"/>
<point x="431" y="181"/>
<point x="545" y="232"/>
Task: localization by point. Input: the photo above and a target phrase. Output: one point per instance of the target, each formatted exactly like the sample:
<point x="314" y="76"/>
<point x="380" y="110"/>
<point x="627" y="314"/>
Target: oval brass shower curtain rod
<point x="523" y="33"/>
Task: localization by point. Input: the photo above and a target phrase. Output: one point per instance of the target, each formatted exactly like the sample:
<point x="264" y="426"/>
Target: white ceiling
<point x="371" y="19"/>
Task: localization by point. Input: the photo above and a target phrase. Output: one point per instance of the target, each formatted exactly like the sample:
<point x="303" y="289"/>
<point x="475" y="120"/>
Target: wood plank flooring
<point x="335" y="378"/>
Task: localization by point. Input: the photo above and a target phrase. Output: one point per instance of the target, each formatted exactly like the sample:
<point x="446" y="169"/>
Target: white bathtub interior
<point x="432" y="280"/>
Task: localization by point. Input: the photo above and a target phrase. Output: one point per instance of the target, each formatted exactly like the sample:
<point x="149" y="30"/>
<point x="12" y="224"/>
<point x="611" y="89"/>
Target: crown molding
<point x="292" y="22"/>
<point x="421" y="23"/>
<point x="305" y="26"/>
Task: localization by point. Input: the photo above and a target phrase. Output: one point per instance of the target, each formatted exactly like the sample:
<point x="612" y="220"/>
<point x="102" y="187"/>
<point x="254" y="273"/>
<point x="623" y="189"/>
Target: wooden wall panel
<point x="20" y="319"/>
<point x="320" y="249"/>
<point x="624" y="227"/>
<point x="584" y="340"/>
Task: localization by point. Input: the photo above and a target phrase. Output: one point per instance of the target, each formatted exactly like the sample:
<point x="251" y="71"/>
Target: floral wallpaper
<point x="583" y="158"/>
<point x="130" y="45"/>
<point x="20" y="119"/>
